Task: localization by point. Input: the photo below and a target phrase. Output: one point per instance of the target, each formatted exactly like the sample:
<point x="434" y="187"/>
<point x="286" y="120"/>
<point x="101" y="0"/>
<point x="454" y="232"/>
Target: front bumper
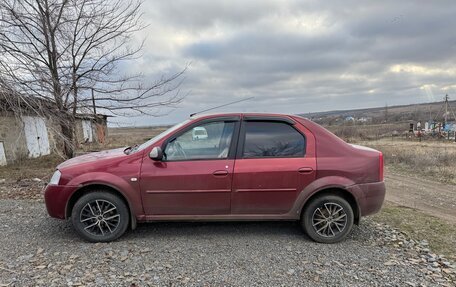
<point x="370" y="196"/>
<point x="56" y="198"/>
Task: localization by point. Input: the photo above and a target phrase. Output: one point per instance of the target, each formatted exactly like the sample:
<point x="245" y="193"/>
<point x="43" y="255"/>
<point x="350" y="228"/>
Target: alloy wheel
<point x="329" y="219"/>
<point x="99" y="217"/>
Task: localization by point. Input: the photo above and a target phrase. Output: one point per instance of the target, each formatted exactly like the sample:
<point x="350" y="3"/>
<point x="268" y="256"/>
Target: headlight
<point x="55" y="178"/>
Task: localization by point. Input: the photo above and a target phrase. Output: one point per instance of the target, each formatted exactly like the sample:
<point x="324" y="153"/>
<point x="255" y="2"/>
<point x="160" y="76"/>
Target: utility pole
<point x="386" y="113"/>
<point x="446" y="109"/>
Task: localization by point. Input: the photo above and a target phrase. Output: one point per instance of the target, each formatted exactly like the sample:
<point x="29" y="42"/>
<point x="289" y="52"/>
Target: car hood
<point x="93" y="156"/>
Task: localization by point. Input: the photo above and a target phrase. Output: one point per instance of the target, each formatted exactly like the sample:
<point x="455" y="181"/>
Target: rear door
<point x="272" y="166"/>
<point x="195" y="178"/>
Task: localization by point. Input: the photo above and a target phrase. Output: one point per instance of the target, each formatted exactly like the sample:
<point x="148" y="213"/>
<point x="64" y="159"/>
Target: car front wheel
<point x="100" y="216"/>
<point x="327" y="219"/>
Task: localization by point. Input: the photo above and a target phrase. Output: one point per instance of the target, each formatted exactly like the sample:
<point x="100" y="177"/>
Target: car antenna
<point x="224" y="105"/>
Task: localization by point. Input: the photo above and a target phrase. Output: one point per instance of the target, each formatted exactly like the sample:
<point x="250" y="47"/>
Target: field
<point x="394" y="114"/>
<point x="434" y="160"/>
<point x="123" y="137"/>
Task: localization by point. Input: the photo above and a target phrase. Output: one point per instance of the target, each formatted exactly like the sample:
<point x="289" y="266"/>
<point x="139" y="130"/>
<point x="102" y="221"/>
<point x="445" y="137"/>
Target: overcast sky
<point x="299" y="56"/>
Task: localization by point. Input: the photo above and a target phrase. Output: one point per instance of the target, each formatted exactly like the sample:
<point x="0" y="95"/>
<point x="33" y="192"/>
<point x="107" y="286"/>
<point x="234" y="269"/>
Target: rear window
<point x="272" y="139"/>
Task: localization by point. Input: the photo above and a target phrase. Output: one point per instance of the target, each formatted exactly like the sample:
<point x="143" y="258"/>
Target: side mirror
<point x="156" y="153"/>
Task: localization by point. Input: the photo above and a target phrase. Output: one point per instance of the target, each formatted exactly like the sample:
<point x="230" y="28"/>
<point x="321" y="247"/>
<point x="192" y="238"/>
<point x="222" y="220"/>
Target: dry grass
<point x="440" y="234"/>
<point x="123" y="137"/>
<point x="352" y="132"/>
<point x="434" y="160"/>
<point x="41" y="168"/>
<point x="130" y="136"/>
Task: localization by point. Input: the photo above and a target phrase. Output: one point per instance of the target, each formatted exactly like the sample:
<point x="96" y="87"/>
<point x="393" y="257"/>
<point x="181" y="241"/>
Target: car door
<point x="272" y="166"/>
<point x="195" y="176"/>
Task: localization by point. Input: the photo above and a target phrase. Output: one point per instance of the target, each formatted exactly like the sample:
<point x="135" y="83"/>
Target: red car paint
<point x="225" y="189"/>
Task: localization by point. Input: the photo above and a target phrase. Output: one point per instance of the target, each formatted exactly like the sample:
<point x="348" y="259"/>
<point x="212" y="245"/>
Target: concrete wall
<point x="79" y="132"/>
<point x="54" y="134"/>
<point x="14" y="141"/>
<point x="13" y="138"/>
<point x="99" y="131"/>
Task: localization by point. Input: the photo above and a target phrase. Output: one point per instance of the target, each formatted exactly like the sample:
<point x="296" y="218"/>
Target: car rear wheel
<point x="327" y="219"/>
<point x="100" y="216"/>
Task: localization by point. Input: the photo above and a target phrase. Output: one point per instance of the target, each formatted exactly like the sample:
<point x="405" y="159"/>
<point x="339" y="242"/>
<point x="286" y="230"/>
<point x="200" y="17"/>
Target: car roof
<point x="214" y="115"/>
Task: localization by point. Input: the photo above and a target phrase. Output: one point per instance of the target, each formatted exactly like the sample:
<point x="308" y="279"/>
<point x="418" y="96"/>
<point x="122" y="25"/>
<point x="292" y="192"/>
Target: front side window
<point x="272" y="139"/>
<point x="158" y="137"/>
<point x="206" y="141"/>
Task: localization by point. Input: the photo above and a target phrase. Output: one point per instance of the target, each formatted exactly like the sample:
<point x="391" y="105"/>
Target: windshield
<point x="159" y="136"/>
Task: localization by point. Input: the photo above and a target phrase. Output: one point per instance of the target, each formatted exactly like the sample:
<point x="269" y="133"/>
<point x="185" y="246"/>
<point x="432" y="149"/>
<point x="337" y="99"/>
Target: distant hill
<point x="413" y="113"/>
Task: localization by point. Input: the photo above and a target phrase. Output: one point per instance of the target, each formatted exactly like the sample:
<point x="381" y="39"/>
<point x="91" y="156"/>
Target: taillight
<point x="380" y="167"/>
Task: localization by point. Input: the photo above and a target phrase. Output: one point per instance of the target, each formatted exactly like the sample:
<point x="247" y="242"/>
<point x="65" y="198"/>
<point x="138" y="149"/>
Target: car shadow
<point x="222" y="228"/>
<point x="151" y="230"/>
<point x="247" y="229"/>
<point x="164" y="231"/>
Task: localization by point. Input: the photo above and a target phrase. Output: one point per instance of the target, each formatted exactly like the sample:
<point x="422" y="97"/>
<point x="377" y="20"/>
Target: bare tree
<point x="68" y="53"/>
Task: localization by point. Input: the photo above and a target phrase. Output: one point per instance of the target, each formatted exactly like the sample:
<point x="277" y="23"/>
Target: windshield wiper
<point x="127" y="150"/>
<point x="130" y="149"/>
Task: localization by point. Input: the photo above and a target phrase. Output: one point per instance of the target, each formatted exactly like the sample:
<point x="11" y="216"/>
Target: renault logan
<point x="245" y="167"/>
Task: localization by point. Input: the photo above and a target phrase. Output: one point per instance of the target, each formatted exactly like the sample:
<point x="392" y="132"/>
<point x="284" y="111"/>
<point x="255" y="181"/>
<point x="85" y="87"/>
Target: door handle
<point x="220" y="172"/>
<point x="305" y="170"/>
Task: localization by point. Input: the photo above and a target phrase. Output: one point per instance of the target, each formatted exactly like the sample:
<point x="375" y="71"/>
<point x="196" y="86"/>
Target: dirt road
<point x="431" y="197"/>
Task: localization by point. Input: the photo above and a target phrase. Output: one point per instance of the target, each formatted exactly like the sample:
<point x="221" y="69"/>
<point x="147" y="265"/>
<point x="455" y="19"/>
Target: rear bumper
<point x="370" y="196"/>
<point x="56" y="198"/>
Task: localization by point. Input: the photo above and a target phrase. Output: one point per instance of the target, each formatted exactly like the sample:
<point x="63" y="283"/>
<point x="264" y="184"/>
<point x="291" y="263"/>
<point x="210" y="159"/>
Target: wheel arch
<point x="102" y="187"/>
<point x="338" y="191"/>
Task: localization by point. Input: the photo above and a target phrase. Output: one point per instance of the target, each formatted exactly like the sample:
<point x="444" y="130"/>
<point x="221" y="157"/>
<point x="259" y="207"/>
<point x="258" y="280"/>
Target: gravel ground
<point x="40" y="251"/>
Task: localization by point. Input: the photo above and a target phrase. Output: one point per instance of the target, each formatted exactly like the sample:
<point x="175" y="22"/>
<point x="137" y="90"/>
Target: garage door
<point x="36" y="136"/>
<point x="2" y="154"/>
<point x="87" y="131"/>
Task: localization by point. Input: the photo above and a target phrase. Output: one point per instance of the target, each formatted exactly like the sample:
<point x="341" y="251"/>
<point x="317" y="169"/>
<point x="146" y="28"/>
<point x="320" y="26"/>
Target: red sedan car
<point x="245" y="167"/>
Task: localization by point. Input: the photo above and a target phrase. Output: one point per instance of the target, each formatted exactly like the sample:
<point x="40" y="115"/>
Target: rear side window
<point x="272" y="139"/>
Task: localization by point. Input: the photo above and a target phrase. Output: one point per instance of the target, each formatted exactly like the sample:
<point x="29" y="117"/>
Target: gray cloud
<point x="302" y="56"/>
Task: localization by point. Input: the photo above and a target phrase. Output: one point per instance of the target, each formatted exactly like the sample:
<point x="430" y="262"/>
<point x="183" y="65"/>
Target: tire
<point x="327" y="219"/>
<point x="95" y="226"/>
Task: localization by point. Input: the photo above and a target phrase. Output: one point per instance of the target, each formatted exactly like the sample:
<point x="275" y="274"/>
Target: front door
<point x="195" y="176"/>
<point x="272" y="168"/>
